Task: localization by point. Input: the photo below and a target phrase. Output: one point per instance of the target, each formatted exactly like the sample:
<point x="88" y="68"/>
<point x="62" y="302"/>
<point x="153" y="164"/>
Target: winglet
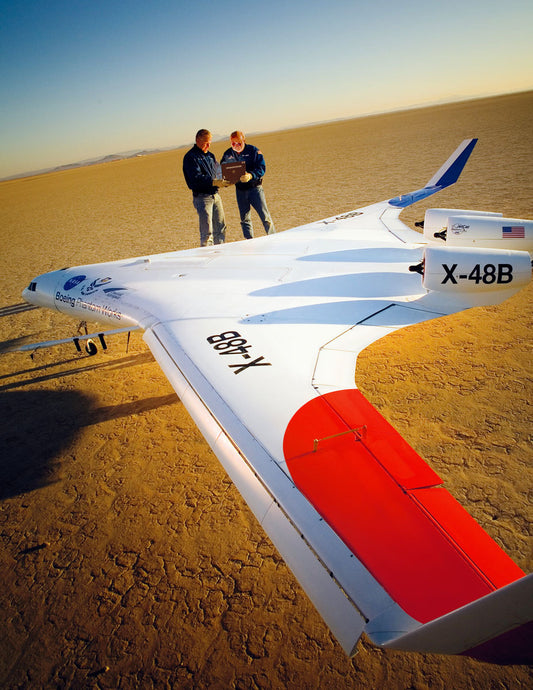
<point x="447" y="175"/>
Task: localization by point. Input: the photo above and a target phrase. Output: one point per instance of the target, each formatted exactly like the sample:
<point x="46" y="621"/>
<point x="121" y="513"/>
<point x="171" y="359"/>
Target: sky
<point x="81" y="79"/>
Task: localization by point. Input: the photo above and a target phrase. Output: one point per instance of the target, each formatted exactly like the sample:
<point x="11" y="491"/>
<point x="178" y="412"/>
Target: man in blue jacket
<point x="199" y="170"/>
<point x="249" y="189"/>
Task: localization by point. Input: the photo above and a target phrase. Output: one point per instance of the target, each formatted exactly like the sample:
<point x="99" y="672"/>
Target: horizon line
<point x="133" y="153"/>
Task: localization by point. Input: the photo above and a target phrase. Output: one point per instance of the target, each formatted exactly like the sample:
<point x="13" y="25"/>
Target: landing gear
<point x="90" y="346"/>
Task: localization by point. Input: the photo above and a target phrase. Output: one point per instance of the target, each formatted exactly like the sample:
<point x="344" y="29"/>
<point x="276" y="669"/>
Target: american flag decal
<point x="517" y="231"/>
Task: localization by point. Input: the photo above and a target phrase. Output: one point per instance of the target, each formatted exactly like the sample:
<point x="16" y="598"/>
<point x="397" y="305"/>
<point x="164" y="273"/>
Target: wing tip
<point x="507" y="621"/>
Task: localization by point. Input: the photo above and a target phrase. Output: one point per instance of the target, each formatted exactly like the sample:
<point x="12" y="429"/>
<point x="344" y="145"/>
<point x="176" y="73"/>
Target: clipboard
<point x="233" y="171"/>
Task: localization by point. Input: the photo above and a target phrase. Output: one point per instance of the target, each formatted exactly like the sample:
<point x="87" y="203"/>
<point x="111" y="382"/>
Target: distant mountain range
<point x="104" y="159"/>
<point x="90" y="161"/>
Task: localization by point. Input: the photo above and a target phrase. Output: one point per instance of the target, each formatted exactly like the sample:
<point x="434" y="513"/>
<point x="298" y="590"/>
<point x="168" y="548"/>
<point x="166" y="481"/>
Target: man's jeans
<point x="253" y="198"/>
<point x="211" y="214"/>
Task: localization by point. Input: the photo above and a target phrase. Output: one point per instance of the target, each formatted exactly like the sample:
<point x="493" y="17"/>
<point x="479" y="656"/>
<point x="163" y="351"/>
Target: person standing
<point x="199" y="170"/>
<point x="249" y="189"/>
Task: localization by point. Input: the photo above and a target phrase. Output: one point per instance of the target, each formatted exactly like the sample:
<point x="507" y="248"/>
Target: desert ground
<point x="128" y="559"/>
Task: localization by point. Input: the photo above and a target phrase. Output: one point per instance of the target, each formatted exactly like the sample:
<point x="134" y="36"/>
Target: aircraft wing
<point x="260" y="340"/>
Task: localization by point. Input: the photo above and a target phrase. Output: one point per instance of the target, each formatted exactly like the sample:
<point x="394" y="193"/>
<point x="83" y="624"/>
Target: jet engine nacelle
<point x="478" y="229"/>
<point x="471" y="270"/>
<point x="436" y="220"/>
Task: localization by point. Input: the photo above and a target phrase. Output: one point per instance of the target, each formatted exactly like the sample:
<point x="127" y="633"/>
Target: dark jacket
<point x="199" y="170"/>
<point x="255" y="164"/>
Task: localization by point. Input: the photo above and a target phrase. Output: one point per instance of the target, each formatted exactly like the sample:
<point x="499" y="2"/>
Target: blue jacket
<point x="255" y="164"/>
<point x="199" y="170"/>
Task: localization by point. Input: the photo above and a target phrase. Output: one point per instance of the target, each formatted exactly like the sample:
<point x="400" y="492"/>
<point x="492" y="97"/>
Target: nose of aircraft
<point x="41" y="290"/>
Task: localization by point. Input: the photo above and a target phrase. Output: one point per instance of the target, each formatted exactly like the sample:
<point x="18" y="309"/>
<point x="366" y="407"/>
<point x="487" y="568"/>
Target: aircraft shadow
<point x="122" y="363"/>
<point x="104" y="414"/>
<point x="37" y="426"/>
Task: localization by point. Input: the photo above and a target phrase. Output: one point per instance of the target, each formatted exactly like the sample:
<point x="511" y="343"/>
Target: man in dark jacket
<point x="249" y="189"/>
<point x="200" y="172"/>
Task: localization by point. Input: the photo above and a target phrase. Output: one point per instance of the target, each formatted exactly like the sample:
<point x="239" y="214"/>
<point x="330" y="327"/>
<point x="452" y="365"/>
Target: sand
<point x="128" y="559"/>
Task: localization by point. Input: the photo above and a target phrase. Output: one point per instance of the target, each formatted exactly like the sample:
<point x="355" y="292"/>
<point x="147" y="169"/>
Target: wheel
<point x="90" y="347"/>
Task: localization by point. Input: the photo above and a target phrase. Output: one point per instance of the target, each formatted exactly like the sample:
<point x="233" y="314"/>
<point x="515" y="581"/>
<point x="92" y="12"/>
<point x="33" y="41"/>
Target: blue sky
<point x="81" y="79"/>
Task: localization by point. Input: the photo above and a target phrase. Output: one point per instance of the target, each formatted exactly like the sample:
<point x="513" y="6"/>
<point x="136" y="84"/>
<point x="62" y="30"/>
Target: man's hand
<point x="245" y="178"/>
<point x="221" y="183"/>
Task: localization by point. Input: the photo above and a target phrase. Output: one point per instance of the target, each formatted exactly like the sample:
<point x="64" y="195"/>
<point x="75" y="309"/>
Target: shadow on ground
<point x="35" y="426"/>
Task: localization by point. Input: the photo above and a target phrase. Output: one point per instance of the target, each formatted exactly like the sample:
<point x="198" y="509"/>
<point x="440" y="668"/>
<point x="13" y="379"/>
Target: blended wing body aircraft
<point x="260" y="339"/>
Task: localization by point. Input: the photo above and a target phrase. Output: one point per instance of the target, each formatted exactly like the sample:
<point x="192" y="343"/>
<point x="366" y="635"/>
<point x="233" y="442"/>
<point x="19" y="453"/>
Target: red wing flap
<point x="355" y="468"/>
<point x="386" y="444"/>
<point x="468" y="535"/>
<point x="336" y="413"/>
